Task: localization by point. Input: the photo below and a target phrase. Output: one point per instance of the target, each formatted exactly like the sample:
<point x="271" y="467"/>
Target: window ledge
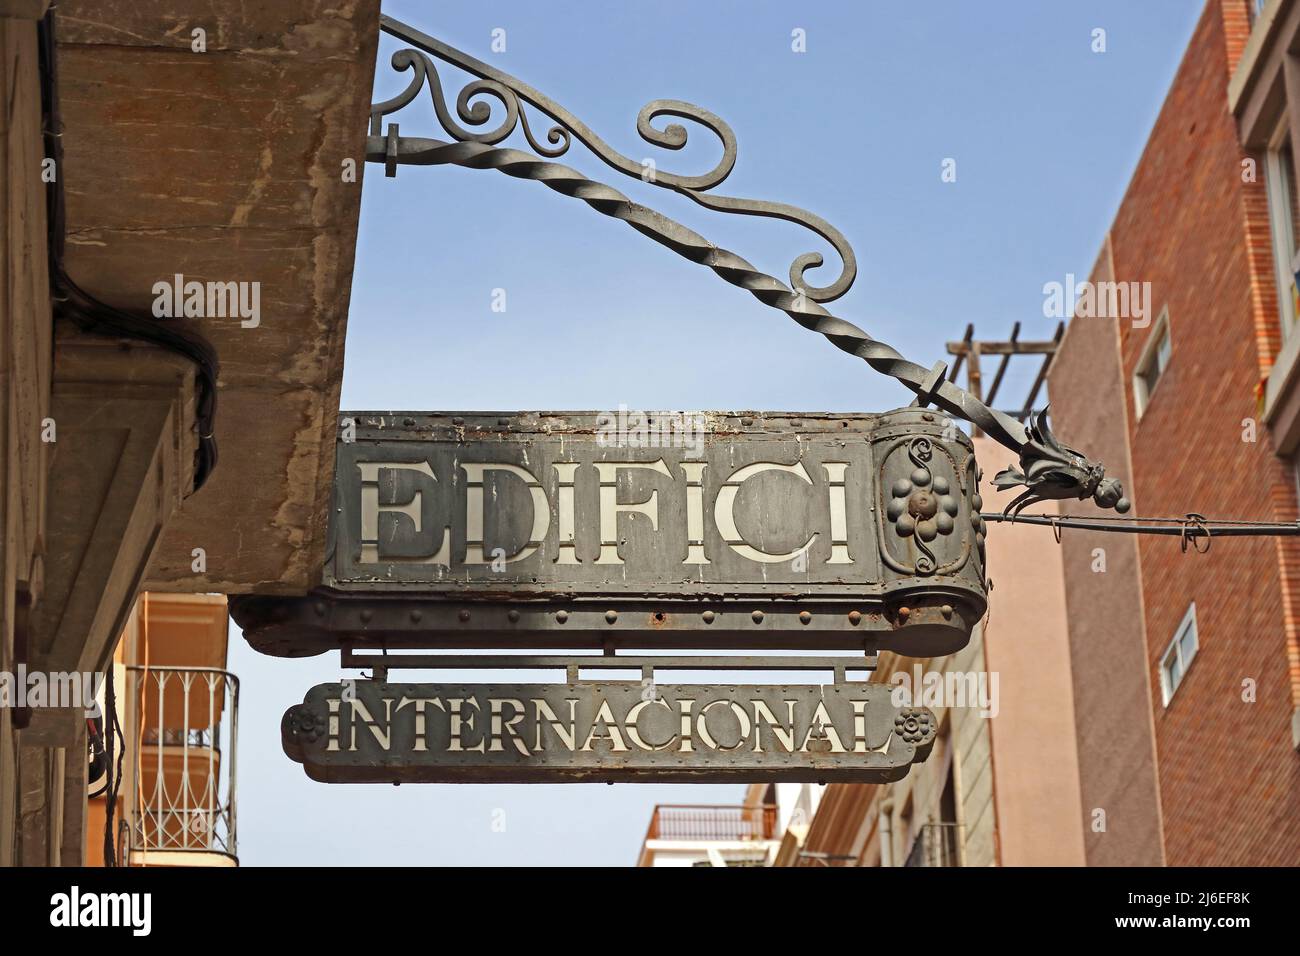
<point x="1261" y="33"/>
<point x="1282" y="396"/>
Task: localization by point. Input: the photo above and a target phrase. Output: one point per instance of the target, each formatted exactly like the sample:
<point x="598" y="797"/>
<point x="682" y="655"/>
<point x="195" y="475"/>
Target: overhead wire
<point x="1193" y="530"/>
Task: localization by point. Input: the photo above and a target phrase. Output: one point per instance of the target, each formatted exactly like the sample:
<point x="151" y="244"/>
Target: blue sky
<point x="1045" y="134"/>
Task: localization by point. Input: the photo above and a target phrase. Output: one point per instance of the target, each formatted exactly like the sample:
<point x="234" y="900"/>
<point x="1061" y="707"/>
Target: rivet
<point x="458" y="421"/>
<point x="319" y="608"/>
<point x="746" y="422"/>
<point x="708" y="617"/>
<point x="611" y="616"/>
<point x="512" y="615"/>
<point x="416" y="615"/>
<point x="946" y="610"/>
<point x="904" y="613"/>
<point x="561" y="616"/>
<point x="464" y="616"/>
<point x="855" y="618"/>
<point x="366" y="615"/>
<point x="758" y="617"/>
<point x="805" y="617"/>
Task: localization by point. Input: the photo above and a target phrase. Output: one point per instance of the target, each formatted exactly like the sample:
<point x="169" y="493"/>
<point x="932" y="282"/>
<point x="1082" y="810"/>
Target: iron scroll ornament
<point x="1048" y="469"/>
<point x="512" y="93"/>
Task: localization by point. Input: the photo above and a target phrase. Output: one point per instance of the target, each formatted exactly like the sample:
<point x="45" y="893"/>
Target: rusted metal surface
<point x="573" y="529"/>
<point x="377" y="732"/>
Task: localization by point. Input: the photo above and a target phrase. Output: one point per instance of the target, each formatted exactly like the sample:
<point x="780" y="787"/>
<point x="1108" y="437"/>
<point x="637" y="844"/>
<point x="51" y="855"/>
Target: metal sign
<point x="619" y="731"/>
<point x="615" y="504"/>
<point x="723" y="530"/>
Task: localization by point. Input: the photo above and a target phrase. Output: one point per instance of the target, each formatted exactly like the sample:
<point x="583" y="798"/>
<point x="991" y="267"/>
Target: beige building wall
<point x="875" y="825"/>
<point x="973" y="745"/>
<point x="964" y="744"/>
<point x="105" y="426"/>
<point x="1026" y="643"/>
<point x="25" y="370"/>
<point x="1014" y="764"/>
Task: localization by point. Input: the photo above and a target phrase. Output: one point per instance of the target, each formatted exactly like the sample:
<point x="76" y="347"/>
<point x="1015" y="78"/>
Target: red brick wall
<point x="1236" y="20"/>
<point x="1229" y="777"/>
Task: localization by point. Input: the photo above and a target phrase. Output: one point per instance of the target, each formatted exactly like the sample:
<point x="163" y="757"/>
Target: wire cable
<point x="1194" y="530"/>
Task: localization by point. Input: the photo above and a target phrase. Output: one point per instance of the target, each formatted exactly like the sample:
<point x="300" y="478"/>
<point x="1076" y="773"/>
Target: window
<point x="1284" y="221"/>
<point x="1178" y="657"/>
<point x="1154" y="361"/>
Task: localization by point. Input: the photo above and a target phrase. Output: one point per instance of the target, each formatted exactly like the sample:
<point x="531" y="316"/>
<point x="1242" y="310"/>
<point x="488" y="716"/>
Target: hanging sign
<point x="376" y="732"/>
<point x="672" y="530"/>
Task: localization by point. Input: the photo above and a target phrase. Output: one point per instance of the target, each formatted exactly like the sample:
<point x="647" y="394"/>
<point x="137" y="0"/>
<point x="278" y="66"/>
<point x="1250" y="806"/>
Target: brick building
<point x="1177" y="724"/>
<point x="1185" y="666"/>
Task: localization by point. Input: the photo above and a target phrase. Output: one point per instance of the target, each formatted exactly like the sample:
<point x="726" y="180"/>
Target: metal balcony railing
<point x="712" y="823"/>
<point x="184" y="762"/>
<point x="937" y="844"/>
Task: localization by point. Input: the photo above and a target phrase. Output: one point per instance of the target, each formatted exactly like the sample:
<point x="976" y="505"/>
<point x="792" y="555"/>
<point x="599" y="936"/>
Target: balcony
<point x="704" y="835"/>
<point x="937" y="844"/>
<point x="182" y="811"/>
<point x="727" y="824"/>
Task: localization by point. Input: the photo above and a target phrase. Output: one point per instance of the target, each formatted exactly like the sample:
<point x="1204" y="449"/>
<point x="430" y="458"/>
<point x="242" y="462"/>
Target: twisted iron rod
<point x="931" y="385"/>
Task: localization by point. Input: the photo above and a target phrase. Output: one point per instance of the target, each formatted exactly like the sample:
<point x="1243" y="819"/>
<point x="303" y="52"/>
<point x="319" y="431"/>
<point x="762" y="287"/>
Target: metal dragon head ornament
<point x="1052" y="470"/>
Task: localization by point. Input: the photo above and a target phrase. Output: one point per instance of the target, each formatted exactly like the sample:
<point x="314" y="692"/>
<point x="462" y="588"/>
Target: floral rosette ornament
<point x="914" y="725"/>
<point x="305" y="725"/>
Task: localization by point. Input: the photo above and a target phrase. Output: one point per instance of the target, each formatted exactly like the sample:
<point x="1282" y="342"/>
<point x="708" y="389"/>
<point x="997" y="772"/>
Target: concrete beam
<point x="23" y="9"/>
<point x="207" y="139"/>
<point x="123" y="459"/>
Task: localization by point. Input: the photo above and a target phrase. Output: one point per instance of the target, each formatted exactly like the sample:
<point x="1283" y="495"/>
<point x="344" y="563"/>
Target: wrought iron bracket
<point x="1048" y="468"/>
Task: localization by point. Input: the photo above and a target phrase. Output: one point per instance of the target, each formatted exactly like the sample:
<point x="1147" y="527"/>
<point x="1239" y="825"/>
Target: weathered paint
<point x="375" y="732"/>
<point x="577" y="528"/>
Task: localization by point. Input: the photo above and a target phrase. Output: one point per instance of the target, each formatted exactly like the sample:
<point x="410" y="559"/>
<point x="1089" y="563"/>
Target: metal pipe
<point x="887" y="832"/>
